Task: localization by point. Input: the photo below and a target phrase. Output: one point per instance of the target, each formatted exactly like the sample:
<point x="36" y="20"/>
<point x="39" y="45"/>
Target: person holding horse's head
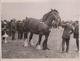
<point x="68" y="30"/>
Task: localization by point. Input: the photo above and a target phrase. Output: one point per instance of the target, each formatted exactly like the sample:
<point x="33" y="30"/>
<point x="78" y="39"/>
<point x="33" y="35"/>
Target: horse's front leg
<point x="45" y="42"/>
<point x="39" y="42"/>
<point x="30" y="37"/>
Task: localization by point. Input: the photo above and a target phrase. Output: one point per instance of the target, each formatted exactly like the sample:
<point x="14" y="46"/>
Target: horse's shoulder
<point x="43" y="25"/>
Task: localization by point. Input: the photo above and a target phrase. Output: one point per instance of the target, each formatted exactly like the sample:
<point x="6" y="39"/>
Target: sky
<point x="68" y="9"/>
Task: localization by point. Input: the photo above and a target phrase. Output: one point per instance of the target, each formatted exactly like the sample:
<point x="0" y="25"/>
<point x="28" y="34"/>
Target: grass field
<point x="15" y="49"/>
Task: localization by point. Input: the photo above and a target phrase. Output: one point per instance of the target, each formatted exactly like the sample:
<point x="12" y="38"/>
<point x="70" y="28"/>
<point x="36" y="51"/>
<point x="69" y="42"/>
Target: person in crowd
<point x="68" y="30"/>
<point x="20" y="29"/>
<point x="76" y="34"/>
<point x="13" y="29"/>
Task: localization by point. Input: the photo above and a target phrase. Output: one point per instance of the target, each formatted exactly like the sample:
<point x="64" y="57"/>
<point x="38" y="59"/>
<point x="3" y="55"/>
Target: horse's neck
<point x="49" y="21"/>
<point x="45" y="16"/>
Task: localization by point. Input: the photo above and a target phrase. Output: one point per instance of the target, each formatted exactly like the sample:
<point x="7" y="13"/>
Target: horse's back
<point x="33" y="23"/>
<point x="34" y="20"/>
<point x="36" y="25"/>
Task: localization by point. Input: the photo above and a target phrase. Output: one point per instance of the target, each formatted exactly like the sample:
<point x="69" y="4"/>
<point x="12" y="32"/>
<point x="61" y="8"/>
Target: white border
<point x="25" y="0"/>
<point x="54" y="59"/>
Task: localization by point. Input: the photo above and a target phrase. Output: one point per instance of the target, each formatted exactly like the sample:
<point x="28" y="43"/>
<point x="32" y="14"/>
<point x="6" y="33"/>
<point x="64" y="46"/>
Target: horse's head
<point x="54" y="17"/>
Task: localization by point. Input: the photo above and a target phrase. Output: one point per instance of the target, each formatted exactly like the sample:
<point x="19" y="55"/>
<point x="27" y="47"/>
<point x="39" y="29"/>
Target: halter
<point x="51" y="17"/>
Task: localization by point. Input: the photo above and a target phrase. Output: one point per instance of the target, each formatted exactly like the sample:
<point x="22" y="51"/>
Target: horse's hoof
<point x="77" y="51"/>
<point x="25" y="45"/>
<point x="46" y="49"/>
<point x="38" y="47"/>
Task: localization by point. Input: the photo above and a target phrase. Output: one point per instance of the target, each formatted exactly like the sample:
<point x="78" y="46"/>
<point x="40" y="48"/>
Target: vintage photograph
<point x="40" y="29"/>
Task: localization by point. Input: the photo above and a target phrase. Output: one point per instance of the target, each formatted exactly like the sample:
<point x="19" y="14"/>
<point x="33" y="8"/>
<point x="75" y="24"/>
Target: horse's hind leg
<point x="30" y="37"/>
<point x="39" y="42"/>
<point x="26" y="40"/>
<point x="25" y="35"/>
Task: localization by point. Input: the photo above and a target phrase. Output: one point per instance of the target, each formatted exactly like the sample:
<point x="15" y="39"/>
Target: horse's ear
<point x="52" y="9"/>
<point x="55" y="11"/>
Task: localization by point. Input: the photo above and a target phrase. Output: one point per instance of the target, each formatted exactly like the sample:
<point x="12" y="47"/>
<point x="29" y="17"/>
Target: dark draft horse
<point x="41" y="27"/>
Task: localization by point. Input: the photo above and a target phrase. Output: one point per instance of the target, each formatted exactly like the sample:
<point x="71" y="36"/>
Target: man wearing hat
<point x="76" y="34"/>
<point x="66" y="36"/>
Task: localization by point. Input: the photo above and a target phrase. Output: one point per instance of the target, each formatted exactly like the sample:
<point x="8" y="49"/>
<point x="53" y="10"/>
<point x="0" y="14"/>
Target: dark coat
<point x="67" y="31"/>
<point x="20" y="26"/>
<point x="76" y="31"/>
<point x="13" y="27"/>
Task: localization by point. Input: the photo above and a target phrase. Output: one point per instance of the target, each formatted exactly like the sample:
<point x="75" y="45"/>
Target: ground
<point x="15" y="48"/>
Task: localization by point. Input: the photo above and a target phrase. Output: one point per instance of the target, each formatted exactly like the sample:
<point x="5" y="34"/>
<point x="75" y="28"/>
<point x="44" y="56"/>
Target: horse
<point x="41" y="27"/>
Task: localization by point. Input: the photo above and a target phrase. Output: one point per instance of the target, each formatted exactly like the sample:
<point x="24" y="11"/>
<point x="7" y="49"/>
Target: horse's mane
<point x="45" y="16"/>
